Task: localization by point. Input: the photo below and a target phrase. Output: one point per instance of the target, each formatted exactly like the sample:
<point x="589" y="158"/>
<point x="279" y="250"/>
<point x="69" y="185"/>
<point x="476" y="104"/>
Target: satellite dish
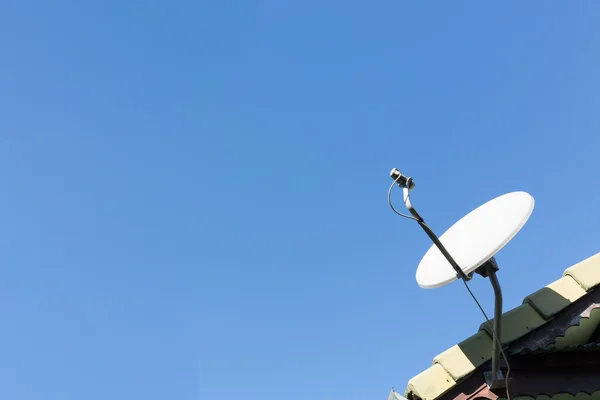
<point x="475" y="238"/>
<point x="468" y="247"/>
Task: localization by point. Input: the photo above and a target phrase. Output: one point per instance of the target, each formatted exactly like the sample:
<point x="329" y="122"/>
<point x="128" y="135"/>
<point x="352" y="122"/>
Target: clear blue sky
<point x="194" y="194"/>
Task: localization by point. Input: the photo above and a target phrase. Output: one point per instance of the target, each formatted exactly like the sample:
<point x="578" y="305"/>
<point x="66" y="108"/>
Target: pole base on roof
<point x="498" y="383"/>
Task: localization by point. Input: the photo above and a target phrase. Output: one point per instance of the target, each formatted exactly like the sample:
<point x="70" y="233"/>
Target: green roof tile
<point x="555" y="297"/>
<point x="516" y="323"/>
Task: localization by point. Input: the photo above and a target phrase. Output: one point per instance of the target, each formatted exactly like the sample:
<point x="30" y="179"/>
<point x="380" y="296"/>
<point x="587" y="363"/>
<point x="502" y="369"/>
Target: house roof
<point x="543" y="319"/>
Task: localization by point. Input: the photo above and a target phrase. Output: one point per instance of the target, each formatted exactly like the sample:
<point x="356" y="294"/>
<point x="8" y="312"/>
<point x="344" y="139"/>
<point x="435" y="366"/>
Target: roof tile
<point x="555" y="297"/>
<point x="462" y="359"/>
<point x="516" y="323"/>
<point x="431" y="383"/>
<point x="587" y="272"/>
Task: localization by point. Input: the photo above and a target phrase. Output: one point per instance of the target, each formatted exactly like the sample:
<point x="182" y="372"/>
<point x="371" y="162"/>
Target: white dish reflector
<point x="475" y="238"/>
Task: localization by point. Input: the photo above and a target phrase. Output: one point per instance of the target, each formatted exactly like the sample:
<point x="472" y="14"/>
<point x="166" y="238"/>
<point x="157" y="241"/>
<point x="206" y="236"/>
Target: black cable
<point x="390" y="201"/>
<point x="498" y="340"/>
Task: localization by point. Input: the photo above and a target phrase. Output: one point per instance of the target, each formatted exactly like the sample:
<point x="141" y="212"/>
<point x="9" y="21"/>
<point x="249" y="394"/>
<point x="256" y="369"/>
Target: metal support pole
<point x="494" y="379"/>
<point x="497" y="343"/>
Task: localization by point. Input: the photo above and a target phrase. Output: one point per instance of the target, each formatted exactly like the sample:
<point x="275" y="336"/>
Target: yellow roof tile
<point x="587" y="272"/>
<point x="431" y="383"/>
<point x="462" y="359"/>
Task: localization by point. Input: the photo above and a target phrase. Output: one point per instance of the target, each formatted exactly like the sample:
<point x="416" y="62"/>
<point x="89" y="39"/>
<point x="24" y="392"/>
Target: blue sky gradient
<point x="194" y="201"/>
